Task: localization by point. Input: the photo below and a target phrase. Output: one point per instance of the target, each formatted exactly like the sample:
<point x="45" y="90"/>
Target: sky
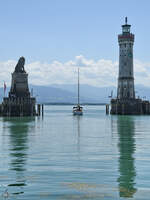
<point x="56" y="36"/>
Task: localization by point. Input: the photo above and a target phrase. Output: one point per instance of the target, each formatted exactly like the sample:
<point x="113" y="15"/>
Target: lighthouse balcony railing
<point x="129" y="36"/>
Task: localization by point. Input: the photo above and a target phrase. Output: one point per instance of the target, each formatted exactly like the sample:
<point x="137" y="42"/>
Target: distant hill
<point x="90" y="93"/>
<point x="67" y="93"/>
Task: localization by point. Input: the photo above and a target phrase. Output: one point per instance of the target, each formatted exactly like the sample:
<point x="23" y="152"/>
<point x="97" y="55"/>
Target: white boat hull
<point x="77" y="112"/>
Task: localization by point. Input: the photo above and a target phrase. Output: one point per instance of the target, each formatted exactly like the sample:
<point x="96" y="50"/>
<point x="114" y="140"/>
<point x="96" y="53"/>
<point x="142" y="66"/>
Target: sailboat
<point x="78" y="110"/>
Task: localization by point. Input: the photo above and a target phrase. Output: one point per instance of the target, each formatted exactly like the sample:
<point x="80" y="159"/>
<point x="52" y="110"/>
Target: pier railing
<point x="18" y="101"/>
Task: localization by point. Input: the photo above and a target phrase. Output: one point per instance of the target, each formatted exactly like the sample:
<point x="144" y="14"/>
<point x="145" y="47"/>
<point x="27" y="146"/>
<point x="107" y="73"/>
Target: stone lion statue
<point x="20" y="65"/>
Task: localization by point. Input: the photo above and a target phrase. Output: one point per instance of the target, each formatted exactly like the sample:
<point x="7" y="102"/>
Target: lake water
<point x="66" y="157"/>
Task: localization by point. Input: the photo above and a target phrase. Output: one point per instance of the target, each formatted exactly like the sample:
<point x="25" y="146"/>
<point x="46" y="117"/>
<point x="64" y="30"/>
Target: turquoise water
<point x="66" y="157"/>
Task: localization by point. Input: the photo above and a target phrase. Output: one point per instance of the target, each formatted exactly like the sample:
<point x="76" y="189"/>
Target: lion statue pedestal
<point x="19" y="102"/>
<point x="19" y="83"/>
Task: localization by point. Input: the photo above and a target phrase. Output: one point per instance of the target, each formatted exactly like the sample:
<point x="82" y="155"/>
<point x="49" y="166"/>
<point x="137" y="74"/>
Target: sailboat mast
<point x="78" y="88"/>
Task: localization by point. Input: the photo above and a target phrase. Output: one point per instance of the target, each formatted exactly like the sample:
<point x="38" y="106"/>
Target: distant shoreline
<point x="67" y="104"/>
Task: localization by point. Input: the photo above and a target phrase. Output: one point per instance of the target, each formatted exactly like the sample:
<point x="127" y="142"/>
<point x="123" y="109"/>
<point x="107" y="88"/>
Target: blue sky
<point x="47" y="30"/>
<point x="56" y="36"/>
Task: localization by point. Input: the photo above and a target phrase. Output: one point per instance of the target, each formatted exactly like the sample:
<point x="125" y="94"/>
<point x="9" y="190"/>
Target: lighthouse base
<point x="130" y="107"/>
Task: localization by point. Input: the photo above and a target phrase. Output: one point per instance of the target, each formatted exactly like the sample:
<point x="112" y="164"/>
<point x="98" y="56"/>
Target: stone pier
<point x="130" y="107"/>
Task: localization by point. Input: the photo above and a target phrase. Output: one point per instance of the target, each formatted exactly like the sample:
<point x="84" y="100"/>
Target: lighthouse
<point x="126" y="103"/>
<point x="126" y="76"/>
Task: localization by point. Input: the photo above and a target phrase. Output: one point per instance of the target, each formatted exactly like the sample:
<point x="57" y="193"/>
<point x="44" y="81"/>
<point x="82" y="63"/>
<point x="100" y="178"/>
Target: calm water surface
<point x="66" y="157"/>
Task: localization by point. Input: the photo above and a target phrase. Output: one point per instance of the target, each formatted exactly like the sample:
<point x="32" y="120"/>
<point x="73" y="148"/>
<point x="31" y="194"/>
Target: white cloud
<point x="99" y="73"/>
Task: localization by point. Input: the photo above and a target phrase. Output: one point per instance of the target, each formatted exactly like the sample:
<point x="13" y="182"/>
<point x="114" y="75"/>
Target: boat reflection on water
<point x="19" y="129"/>
<point x="126" y="146"/>
<point x="78" y="132"/>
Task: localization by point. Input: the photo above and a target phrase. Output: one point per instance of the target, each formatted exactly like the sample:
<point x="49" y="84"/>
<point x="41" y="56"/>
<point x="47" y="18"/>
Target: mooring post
<point x="123" y="109"/>
<point x="42" y="109"/>
<point x="9" y="109"/>
<point x="107" y="109"/>
<point x="31" y="109"/>
<point x="147" y="108"/>
<point x="116" y="108"/>
<point x="20" y="109"/>
<point x="141" y="109"/>
<point x="39" y="109"/>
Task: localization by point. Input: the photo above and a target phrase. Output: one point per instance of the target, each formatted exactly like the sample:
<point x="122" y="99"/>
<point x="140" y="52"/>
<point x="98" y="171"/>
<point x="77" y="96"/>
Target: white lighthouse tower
<point x="126" y="103"/>
<point x="126" y="76"/>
